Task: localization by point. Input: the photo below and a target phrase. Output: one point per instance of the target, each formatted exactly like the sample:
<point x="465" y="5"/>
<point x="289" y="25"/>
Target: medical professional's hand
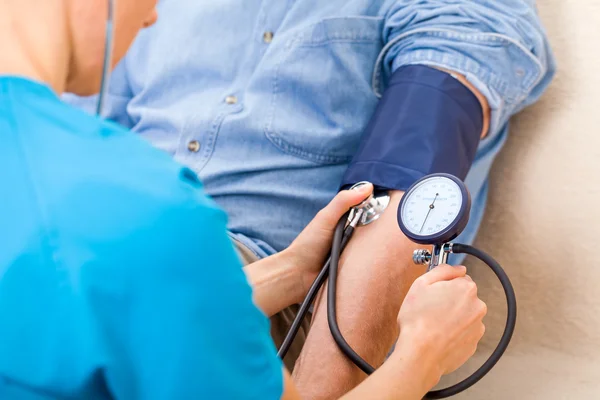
<point x="284" y="278"/>
<point x="309" y="250"/>
<point x="442" y="317"/>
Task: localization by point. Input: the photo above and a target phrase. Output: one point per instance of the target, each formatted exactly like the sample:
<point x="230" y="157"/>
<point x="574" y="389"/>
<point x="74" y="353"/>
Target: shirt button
<point x="268" y="37"/>
<point x="194" y="146"/>
<point x="231" y="100"/>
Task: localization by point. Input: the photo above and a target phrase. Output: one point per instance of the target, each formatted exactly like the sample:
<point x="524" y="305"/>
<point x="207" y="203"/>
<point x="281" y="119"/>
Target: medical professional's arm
<point x="500" y="48"/>
<point x="177" y="331"/>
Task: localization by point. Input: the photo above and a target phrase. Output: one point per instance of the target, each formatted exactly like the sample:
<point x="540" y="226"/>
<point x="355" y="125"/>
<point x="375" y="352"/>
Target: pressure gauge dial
<point x="435" y="209"/>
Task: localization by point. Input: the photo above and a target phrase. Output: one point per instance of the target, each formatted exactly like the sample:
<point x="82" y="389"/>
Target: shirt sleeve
<point x="500" y="46"/>
<point x="172" y="304"/>
<point x="184" y="326"/>
<point x="117" y="98"/>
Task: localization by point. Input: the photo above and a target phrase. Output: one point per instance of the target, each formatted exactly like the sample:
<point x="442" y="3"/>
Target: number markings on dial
<point x="432" y="206"/>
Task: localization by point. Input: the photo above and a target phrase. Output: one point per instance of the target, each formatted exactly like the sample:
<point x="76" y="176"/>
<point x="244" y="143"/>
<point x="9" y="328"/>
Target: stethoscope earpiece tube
<point x="108" y="50"/>
<point x="336" y="251"/>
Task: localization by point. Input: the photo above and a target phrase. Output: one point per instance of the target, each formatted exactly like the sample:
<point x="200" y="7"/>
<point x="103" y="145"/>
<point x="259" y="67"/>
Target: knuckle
<point x="421" y="280"/>
<point x="323" y="214"/>
<point x="468" y="287"/>
<point x="342" y="198"/>
<point x="481" y="330"/>
<point x="473" y="350"/>
<point x="483" y="308"/>
<point x="471" y="285"/>
<point x="472" y="288"/>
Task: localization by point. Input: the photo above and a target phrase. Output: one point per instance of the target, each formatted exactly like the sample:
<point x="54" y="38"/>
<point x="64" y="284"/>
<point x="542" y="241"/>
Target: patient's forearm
<point x="276" y="283"/>
<point x="376" y="272"/>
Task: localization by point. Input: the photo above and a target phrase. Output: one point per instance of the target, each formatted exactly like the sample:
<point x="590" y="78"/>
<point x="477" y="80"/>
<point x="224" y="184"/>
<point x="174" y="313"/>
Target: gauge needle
<point x="431" y="207"/>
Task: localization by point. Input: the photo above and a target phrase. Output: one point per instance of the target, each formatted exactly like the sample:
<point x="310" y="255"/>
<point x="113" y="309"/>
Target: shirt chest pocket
<point x="322" y="97"/>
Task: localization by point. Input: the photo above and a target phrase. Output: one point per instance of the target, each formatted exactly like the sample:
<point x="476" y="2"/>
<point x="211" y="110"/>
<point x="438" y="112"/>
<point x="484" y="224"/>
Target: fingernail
<point x="361" y="186"/>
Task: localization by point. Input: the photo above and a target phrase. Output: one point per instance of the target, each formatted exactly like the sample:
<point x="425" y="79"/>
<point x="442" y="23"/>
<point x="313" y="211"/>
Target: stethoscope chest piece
<point x="371" y="208"/>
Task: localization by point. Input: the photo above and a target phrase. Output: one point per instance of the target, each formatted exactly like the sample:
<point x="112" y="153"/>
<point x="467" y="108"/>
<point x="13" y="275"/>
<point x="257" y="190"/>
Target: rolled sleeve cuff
<point x="496" y="60"/>
<point x="501" y="68"/>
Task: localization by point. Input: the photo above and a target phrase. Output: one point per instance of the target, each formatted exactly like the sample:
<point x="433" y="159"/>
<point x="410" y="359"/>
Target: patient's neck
<point x="34" y="41"/>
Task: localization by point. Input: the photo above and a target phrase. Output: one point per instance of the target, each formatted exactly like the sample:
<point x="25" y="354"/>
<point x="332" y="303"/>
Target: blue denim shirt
<point x="267" y="100"/>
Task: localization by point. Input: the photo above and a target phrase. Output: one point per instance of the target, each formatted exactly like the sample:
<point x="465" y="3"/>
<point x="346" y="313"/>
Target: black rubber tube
<point x="466" y="383"/>
<point x="331" y="307"/>
<point x="313" y="291"/>
<point x="511" y="320"/>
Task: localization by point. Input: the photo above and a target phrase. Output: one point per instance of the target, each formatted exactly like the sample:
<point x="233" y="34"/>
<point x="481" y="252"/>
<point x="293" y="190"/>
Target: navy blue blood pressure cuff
<point x="426" y="122"/>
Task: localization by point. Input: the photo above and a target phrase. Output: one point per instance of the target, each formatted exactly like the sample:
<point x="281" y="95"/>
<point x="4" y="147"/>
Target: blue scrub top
<point x="117" y="277"/>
